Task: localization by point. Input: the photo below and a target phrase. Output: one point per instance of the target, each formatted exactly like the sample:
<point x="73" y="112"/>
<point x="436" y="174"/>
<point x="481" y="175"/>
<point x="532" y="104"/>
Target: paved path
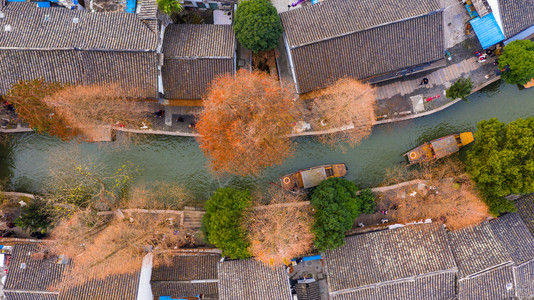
<point x="439" y="77"/>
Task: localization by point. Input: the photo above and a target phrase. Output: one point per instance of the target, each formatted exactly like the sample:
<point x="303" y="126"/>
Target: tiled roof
<point x="308" y="291"/>
<point x="488" y="286"/>
<point x="191" y="78"/>
<point x="335" y="18"/>
<point x="187" y="267"/>
<point x="51" y="28"/>
<point x="431" y="287"/>
<point x="115" y="287"/>
<point x="199" y="41"/>
<point x="368" y="53"/>
<point x="184" y="289"/>
<point x="524" y="278"/>
<point x="28" y="296"/>
<point x="515" y="237"/>
<point x="525" y="208"/>
<point x="516" y="15"/>
<point x="186" y="275"/>
<point x="477" y="249"/>
<point x="388" y="255"/>
<point x="37" y="275"/>
<point x="252" y="280"/>
<point x="137" y="71"/>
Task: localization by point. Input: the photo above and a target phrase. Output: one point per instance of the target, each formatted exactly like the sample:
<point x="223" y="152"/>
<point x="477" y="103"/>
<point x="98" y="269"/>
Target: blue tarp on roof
<point x="488" y="31"/>
<point x="130" y="6"/>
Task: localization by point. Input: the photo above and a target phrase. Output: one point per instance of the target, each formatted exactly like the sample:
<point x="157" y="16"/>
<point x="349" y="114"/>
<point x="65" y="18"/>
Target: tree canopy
<point x="73" y="112"/>
<point x="461" y="88"/>
<point x="244" y="123"/>
<point x="337" y="205"/>
<point x="223" y="222"/>
<point x="257" y="25"/>
<point x="501" y="161"/>
<point x="349" y="105"/>
<point x="170" y="6"/>
<point x="280" y="231"/>
<point x="518" y="56"/>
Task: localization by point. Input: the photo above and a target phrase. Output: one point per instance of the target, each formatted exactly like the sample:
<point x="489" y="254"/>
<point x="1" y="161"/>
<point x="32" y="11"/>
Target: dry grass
<point x="449" y="196"/>
<point x="278" y="234"/>
<point x="161" y="195"/>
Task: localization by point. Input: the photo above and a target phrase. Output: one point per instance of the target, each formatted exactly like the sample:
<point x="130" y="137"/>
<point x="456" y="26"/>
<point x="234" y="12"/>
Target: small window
<point x="200" y="4"/>
<point x="214" y="5"/>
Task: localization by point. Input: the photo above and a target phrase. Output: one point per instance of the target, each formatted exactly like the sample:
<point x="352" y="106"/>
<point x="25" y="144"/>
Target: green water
<point x="25" y="160"/>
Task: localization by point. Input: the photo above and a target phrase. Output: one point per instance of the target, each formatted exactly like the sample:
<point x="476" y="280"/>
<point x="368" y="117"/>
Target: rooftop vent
<point x="7" y="27"/>
<point x="2" y="15"/>
<point x="75" y="20"/>
<point x="47" y="18"/>
<point x="23" y="266"/>
<point x="509" y="286"/>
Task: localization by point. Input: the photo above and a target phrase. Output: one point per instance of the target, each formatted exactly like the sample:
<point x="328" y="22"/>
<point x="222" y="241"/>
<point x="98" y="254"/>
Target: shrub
<point x="337" y="205"/>
<point x="36" y="216"/>
<point x="257" y="25"/>
<point x="169" y="6"/>
<point x="222" y="223"/>
<point x="460" y="89"/>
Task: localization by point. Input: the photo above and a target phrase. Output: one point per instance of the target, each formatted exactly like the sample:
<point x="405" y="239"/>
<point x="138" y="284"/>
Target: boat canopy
<point x="445" y="146"/>
<point x="313" y="177"/>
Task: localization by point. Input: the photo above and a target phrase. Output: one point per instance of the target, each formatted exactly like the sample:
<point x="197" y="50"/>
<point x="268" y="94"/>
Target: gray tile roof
<point x="28" y="296"/>
<point x="187" y="267"/>
<point x="516" y="15"/>
<point x="308" y="291"/>
<point x="199" y="41"/>
<point x="190" y="78"/>
<point x="252" y="280"/>
<point x="431" y="287"/>
<point x="488" y="286"/>
<point x="184" y="289"/>
<point x="194" y="56"/>
<point x="36" y="276"/>
<point x="388" y="255"/>
<point x="116" y="287"/>
<point x="524" y="277"/>
<point x="148" y="13"/>
<point x="56" y="28"/>
<point x="364" y="54"/>
<point x="135" y="70"/>
<point x="477" y="249"/>
<point x="515" y="237"/>
<point x="335" y="18"/>
<point x="186" y="275"/>
<point x="525" y="208"/>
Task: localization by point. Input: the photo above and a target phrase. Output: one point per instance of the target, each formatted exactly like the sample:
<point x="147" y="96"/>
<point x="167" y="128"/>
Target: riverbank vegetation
<point x="337" y="204"/>
<point x="517" y="61"/>
<point x="461" y="89"/>
<point x="244" y="123"/>
<point x="501" y="161"/>
<point x="447" y="195"/>
<point x="74" y="112"/>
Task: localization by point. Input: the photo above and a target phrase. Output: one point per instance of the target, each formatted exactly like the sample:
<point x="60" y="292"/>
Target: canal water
<point x="25" y="159"/>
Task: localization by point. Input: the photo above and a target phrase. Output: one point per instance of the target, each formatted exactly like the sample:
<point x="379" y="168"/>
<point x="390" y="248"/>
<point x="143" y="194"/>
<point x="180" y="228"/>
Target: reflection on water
<point x="25" y="159"/>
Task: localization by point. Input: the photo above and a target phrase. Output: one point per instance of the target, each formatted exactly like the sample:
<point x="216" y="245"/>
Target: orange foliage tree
<point x="281" y="230"/>
<point x="244" y="121"/>
<point x="74" y="112"/>
<point x="345" y="111"/>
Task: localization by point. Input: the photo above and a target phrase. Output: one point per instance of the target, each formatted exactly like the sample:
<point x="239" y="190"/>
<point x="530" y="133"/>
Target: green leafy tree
<point x="337" y="204"/>
<point x="518" y="56"/>
<point x="222" y="223"/>
<point x="257" y="25"/>
<point x="460" y="89"/>
<point x="36" y="216"/>
<point x="501" y="161"/>
<point x="170" y="6"/>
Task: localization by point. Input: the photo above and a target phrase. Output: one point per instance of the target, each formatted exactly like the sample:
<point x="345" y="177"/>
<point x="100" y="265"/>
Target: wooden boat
<point x="439" y="148"/>
<point x="312" y="177"/>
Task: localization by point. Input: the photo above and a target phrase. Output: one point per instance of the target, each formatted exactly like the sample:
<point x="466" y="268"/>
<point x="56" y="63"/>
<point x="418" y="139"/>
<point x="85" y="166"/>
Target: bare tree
<point x="280" y="231"/>
<point x="345" y="111"/>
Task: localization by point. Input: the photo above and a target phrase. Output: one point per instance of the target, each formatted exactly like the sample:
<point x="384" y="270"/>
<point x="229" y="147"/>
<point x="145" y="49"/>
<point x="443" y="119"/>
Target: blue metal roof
<point x="130" y="6"/>
<point x="488" y="31"/>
